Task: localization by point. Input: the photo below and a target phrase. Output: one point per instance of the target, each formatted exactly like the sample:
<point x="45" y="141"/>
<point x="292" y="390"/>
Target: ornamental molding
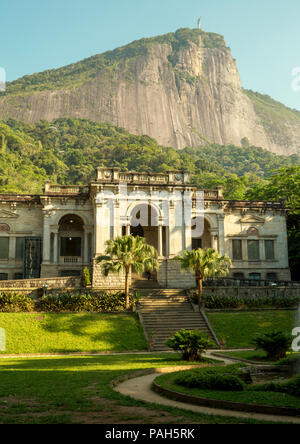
<point x="252" y="219"/>
<point x="5" y="214"/>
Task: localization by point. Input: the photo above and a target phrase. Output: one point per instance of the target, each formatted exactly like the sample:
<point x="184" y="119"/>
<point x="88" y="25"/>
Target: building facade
<point x="63" y="230"/>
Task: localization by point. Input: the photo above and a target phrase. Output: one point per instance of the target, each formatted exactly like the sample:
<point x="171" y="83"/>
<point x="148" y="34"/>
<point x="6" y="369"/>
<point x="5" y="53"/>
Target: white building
<point x="63" y="230"/>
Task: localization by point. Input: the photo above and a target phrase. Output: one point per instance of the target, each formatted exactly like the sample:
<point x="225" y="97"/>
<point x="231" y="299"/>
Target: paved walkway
<point x="140" y="389"/>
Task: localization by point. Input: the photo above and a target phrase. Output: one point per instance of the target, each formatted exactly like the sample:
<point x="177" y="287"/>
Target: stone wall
<point x="52" y="283"/>
<point x="171" y="276"/>
<point x="112" y="281"/>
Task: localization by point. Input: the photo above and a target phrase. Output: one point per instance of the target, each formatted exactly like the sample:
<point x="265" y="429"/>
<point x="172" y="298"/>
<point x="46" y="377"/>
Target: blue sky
<point x="264" y="35"/>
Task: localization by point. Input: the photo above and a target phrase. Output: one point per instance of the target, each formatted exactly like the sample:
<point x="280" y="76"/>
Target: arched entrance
<point x="204" y="240"/>
<point x="71" y="233"/>
<point x="145" y="222"/>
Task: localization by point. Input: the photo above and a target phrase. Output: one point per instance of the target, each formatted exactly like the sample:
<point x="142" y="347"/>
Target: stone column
<point x="85" y="247"/>
<point x="222" y="247"/>
<point x="117" y="229"/>
<point x="167" y="242"/>
<point x="160" y="240"/>
<point x="12" y="248"/>
<point x="46" y="240"/>
<point x="128" y="229"/>
<point x="100" y="229"/>
<point x="55" y="247"/>
<point x="214" y="241"/>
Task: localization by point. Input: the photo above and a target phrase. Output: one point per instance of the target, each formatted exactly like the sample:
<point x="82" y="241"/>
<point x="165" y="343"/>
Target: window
<point x="238" y="275"/>
<point x="4" y="245"/>
<point x="19" y="248"/>
<point x="70" y="246"/>
<point x="18" y="276"/>
<point x="237" y="252"/>
<point x="271" y="276"/>
<point x="196" y="244"/>
<point x="253" y="250"/>
<point x="255" y="276"/>
<point x="270" y="250"/>
<point x="3" y="277"/>
<point x="70" y="273"/>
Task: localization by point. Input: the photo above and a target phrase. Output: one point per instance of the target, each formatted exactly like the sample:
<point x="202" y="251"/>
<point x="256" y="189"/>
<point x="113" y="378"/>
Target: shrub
<point x="275" y="344"/>
<point x="13" y="303"/>
<point x="291" y="387"/>
<point x="89" y="302"/>
<point x="233" y="302"/>
<point x="212" y="381"/>
<point x="86" y="278"/>
<point x="191" y="343"/>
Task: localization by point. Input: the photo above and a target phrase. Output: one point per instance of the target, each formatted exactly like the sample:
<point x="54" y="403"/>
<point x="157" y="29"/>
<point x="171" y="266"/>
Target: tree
<point x="191" y="343"/>
<point x="205" y="264"/>
<point x="274" y="343"/>
<point x="125" y="253"/>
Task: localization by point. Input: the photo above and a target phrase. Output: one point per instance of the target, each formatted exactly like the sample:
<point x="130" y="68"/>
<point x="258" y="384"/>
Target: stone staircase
<point x="165" y="311"/>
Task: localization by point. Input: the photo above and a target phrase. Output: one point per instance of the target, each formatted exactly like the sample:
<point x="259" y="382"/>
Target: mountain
<point x="181" y="88"/>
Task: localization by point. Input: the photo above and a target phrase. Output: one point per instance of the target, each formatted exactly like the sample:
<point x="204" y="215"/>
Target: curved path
<point x="140" y="388"/>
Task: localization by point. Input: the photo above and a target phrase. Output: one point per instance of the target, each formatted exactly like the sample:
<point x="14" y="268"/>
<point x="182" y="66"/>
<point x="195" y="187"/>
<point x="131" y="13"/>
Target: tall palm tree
<point x="205" y="264"/>
<point x="125" y="253"/>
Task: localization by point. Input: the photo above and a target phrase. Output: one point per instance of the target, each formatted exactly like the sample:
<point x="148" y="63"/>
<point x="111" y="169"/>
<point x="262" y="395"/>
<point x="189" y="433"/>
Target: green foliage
<point x="14" y="303"/>
<point x="128" y="252"/>
<point x="204" y="264"/>
<point x="86" y="278"/>
<point x="65" y="302"/>
<point x="212" y="301"/>
<point x="67" y="151"/>
<point x="291" y="387"/>
<point x="210" y="381"/>
<point x="274" y="116"/>
<point x="275" y="344"/>
<point x="83" y="302"/>
<point x="191" y="343"/>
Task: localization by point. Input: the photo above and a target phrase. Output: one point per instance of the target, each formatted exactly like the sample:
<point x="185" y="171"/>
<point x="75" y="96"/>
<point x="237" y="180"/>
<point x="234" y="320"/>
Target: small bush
<point x="211" y="382"/>
<point x="191" y="343"/>
<point x="86" y="278"/>
<point x="275" y="344"/>
<point x="291" y="387"/>
<point x="14" y="303"/>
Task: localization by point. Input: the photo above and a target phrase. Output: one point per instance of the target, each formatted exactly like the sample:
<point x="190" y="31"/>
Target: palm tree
<point x="125" y="253"/>
<point x="205" y="264"/>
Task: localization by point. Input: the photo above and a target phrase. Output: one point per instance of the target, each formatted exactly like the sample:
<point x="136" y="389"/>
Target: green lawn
<point x="28" y="333"/>
<point x="239" y="328"/>
<point x="78" y="390"/>
<point x="249" y="397"/>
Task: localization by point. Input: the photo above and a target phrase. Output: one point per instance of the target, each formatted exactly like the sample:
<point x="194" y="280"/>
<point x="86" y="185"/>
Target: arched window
<point x="71" y="234"/>
<point x="252" y="231"/>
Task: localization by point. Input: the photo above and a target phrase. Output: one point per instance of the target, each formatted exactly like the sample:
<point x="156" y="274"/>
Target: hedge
<point x="223" y="302"/>
<point x="66" y="302"/>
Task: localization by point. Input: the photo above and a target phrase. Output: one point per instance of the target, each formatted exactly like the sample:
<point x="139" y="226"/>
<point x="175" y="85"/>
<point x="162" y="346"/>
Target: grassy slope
<point x="77" y="389"/>
<point x="61" y="333"/>
<point x="239" y="328"/>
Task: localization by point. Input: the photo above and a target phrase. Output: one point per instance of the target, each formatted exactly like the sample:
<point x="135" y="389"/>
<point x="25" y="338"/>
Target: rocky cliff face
<point x="181" y="93"/>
